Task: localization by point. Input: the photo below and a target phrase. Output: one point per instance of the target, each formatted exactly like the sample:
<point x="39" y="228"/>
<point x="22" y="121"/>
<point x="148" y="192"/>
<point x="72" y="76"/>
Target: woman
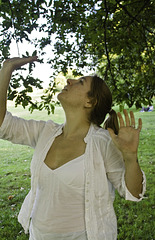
<point x="76" y="166"/>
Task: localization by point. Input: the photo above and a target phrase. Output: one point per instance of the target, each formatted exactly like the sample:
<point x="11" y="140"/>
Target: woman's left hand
<point x="127" y="139"/>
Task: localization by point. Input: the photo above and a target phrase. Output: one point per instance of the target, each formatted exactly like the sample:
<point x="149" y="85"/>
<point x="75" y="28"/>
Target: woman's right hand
<point x="16" y="62"/>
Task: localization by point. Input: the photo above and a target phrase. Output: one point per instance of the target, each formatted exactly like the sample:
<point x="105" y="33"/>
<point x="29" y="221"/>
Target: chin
<point x="60" y="96"/>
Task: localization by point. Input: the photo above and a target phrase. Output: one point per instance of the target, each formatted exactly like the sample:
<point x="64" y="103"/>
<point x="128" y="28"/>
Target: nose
<point x="70" y="81"/>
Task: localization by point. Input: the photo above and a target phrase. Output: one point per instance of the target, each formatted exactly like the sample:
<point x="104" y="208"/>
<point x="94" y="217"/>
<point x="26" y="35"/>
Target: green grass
<point x="135" y="220"/>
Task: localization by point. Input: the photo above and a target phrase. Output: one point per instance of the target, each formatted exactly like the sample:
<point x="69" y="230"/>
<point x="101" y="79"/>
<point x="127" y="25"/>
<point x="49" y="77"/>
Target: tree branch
<point x="134" y="18"/>
<point x="106" y="47"/>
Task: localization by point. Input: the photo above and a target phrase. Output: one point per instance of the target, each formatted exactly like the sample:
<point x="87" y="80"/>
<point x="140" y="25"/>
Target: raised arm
<point x="127" y="142"/>
<point x="5" y="75"/>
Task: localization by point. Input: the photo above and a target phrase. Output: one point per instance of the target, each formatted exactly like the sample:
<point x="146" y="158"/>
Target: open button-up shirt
<point x="104" y="172"/>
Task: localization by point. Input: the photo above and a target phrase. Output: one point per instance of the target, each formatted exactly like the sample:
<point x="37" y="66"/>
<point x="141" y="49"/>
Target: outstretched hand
<point x="15" y="63"/>
<point x="127" y="139"/>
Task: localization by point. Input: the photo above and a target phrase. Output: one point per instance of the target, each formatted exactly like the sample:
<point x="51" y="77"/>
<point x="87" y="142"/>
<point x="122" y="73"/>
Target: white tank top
<point x="59" y="205"/>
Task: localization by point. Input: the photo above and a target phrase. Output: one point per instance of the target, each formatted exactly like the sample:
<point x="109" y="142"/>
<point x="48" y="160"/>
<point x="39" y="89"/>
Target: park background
<point x="113" y="38"/>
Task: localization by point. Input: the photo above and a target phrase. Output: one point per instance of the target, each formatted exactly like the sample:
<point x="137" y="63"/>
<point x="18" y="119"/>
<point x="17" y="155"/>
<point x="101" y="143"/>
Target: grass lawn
<point x="135" y="220"/>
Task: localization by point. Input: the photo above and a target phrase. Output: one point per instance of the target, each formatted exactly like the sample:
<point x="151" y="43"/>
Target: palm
<point x="14" y="63"/>
<point x="127" y="139"/>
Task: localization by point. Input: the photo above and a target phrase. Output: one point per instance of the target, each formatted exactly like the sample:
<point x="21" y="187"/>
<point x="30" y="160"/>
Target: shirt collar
<point x="89" y="134"/>
<point x="86" y="139"/>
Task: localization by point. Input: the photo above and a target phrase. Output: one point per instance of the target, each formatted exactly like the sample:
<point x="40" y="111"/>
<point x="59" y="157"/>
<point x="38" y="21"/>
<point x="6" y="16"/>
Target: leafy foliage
<point x="113" y="37"/>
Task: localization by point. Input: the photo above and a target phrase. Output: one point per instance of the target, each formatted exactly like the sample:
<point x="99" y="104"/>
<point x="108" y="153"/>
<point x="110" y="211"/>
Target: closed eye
<point x="81" y="80"/>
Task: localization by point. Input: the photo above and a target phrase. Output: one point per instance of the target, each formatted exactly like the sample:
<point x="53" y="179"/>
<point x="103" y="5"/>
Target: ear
<point x="88" y="104"/>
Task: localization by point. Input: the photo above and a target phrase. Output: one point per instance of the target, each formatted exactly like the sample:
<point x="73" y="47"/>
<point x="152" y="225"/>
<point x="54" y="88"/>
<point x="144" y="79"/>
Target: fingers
<point x="129" y="121"/>
<point x="139" y="124"/>
<point x="23" y="61"/>
<point x="15" y="63"/>
<point x="132" y="117"/>
<point x="31" y="59"/>
<point x="26" y="60"/>
<point x="121" y="121"/>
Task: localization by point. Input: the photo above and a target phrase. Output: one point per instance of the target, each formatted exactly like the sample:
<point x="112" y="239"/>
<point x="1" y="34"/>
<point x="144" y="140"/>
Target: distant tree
<point x="114" y="37"/>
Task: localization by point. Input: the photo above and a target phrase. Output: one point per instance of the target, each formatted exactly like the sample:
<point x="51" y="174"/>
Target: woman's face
<point x="75" y="92"/>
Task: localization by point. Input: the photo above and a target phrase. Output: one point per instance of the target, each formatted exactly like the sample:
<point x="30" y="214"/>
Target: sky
<point x="41" y="71"/>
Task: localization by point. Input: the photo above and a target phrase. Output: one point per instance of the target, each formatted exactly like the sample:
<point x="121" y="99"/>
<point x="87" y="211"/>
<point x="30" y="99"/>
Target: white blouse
<point x="35" y="235"/>
<point x="59" y="204"/>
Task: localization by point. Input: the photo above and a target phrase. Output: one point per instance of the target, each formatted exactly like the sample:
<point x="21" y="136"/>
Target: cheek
<point x="82" y="96"/>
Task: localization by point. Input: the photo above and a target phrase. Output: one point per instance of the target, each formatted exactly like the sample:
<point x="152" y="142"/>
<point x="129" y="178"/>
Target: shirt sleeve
<point x="21" y="131"/>
<point x="115" y="169"/>
<point x="129" y="196"/>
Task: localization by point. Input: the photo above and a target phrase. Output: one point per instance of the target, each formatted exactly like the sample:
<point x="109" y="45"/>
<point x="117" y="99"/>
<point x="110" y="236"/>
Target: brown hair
<point x="101" y="99"/>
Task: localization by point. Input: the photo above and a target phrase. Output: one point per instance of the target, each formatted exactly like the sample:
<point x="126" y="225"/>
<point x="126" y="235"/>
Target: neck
<point x="76" y="124"/>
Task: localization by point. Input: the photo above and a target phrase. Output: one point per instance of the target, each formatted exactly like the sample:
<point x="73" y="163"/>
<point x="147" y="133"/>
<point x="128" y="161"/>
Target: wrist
<point x="7" y="68"/>
<point x="130" y="157"/>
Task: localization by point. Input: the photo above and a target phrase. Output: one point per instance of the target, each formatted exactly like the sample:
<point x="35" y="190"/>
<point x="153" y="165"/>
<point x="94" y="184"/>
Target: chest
<point x="63" y="151"/>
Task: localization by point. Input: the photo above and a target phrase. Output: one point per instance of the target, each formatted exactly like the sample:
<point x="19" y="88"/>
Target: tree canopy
<point x="113" y="37"/>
